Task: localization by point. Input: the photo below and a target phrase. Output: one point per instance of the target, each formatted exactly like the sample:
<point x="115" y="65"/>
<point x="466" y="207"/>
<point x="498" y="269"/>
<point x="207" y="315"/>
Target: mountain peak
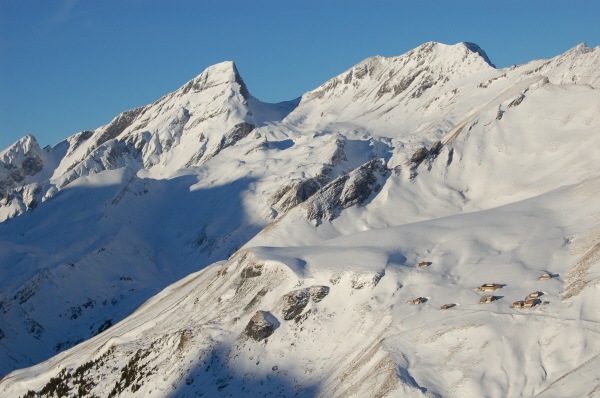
<point x="222" y="73"/>
<point x="23" y="146"/>
<point x="22" y="159"/>
<point x="476" y="49"/>
<point x="406" y="76"/>
<point x="579" y="49"/>
<point x="300" y="233"/>
<point x="456" y="49"/>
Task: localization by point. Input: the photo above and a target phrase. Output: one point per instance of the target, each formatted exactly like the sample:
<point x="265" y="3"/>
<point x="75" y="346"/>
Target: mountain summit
<point x="224" y="73"/>
<point x="476" y="49"/>
<point x="336" y="245"/>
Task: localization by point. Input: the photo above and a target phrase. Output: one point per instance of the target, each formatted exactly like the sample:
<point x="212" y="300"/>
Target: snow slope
<point x="434" y="155"/>
<point x="362" y="338"/>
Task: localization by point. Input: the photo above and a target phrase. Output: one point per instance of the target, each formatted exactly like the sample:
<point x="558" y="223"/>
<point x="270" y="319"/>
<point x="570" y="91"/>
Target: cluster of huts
<point x="531" y="301"/>
<point x="534" y="298"/>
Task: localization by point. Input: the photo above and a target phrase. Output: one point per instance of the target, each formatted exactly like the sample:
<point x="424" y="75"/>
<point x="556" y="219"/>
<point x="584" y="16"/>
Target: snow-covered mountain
<point x="289" y="236"/>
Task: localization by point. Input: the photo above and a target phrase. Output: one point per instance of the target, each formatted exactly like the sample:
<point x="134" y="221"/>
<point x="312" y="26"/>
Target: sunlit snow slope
<point x="323" y="207"/>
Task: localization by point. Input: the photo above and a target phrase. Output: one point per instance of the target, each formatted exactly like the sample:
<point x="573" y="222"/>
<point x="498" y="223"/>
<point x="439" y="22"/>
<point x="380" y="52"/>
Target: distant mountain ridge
<point x="225" y="215"/>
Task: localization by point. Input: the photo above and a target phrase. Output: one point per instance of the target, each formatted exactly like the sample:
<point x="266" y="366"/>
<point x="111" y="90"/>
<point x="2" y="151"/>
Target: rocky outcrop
<point x="348" y="190"/>
<point x="517" y="101"/>
<point x="362" y="280"/>
<point x="423" y="153"/>
<point x="418" y="156"/>
<point x="261" y="325"/>
<point x="76" y="140"/>
<point x="407" y="76"/>
<point x="237" y="132"/>
<point x="290" y="195"/>
<point x="23" y="198"/>
<point x="252" y="271"/>
<point x="119" y="124"/>
<point x="296" y="192"/>
<point x="293" y="303"/>
<point x="21" y="160"/>
<point x="318" y="293"/>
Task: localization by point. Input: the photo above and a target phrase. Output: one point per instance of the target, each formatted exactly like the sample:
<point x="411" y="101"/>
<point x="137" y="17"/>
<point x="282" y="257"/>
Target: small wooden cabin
<point x="535" y="295"/>
<point x="418" y="300"/>
<point x="424" y="264"/>
<point x="489" y="287"/>
<point x="487" y="299"/>
<point x="446" y="306"/>
<point x="545" y="275"/>
<point x="517" y="304"/>
<point x="530" y="304"/>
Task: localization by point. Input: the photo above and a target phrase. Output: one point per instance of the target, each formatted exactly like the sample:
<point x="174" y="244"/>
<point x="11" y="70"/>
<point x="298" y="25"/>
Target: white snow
<point x="140" y="208"/>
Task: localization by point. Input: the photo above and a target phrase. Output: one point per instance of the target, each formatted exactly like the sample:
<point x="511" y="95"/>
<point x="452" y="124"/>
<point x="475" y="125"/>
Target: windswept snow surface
<point x="314" y="214"/>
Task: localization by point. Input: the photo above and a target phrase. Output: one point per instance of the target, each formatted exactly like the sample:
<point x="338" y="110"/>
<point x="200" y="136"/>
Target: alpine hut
<point x="530" y="303"/>
<point x="489" y="287"/>
<point x="487" y="299"/>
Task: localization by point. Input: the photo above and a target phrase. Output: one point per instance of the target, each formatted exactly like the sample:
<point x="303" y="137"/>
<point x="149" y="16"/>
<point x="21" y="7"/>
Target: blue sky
<point x="67" y="66"/>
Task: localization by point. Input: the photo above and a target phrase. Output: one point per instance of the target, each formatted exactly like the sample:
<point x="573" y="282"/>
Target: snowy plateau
<point x="213" y="245"/>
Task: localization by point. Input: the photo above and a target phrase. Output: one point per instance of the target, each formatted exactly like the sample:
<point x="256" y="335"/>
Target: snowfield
<point x="210" y="244"/>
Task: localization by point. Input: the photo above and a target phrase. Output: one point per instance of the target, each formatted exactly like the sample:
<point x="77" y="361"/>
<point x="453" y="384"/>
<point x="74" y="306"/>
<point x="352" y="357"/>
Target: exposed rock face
<point x="31" y="194"/>
<point x="119" y="124"/>
<point x="405" y="77"/>
<point x="360" y="281"/>
<point x="428" y="156"/>
<point x="238" y="132"/>
<point x="293" y="303"/>
<point x="27" y="197"/>
<point x="257" y="299"/>
<point x="289" y="196"/>
<point x="79" y="139"/>
<point x="21" y="160"/>
<point x="318" y="293"/>
<point x="184" y="340"/>
<point x="346" y="191"/>
<point x="517" y="101"/>
<point x="252" y="271"/>
<point x="339" y="154"/>
<point x="418" y="156"/>
<point x="261" y="325"/>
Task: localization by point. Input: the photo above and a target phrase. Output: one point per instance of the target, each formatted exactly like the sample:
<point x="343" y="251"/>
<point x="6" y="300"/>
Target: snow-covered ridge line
<point x="435" y="156"/>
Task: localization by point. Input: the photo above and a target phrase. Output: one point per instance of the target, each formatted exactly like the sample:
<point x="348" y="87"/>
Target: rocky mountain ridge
<point x="394" y="146"/>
